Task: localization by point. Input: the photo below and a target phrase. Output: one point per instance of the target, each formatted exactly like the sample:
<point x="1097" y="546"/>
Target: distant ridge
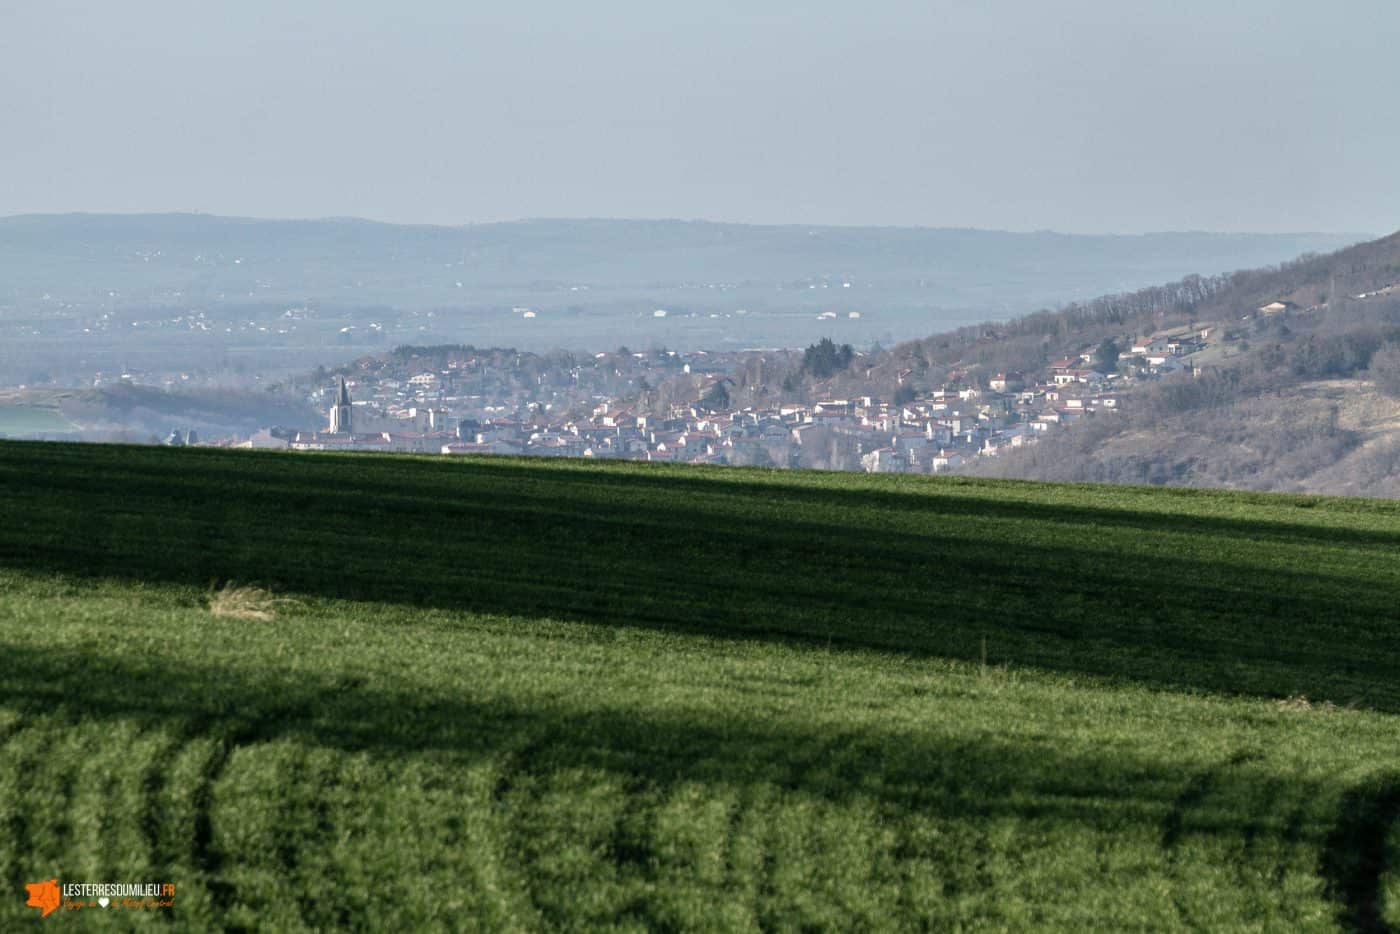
<point x="137" y="216"/>
<point x="415" y="265"/>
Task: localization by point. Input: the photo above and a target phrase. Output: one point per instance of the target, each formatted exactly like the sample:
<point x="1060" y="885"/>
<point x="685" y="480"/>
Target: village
<point x="459" y="410"/>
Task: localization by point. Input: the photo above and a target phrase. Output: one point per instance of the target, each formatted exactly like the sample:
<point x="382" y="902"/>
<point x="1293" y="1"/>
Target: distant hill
<point x="338" y="259"/>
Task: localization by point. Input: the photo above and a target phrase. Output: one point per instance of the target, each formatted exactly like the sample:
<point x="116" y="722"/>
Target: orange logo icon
<point x="43" y="895"/>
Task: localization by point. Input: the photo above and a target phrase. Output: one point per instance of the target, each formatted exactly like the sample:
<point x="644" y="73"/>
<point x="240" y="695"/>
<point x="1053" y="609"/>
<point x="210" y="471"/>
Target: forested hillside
<point x="1305" y="397"/>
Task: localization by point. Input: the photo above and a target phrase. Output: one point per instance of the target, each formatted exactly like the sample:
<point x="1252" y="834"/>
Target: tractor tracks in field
<point x="155" y="779"/>
<point x="12" y="729"/>
<point x="1354" y="857"/>
<point x="1196" y="790"/>
<point x="1174" y="823"/>
<point x="515" y="768"/>
<point x="16" y="825"/>
<point x="205" y="856"/>
<point x="228" y="737"/>
<point x="162" y="844"/>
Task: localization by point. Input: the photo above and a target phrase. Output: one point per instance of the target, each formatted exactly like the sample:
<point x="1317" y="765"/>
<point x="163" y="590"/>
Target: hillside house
<point x="1149" y="345"/>
<point x="1075" y="375"/>
<point x="1006" y="382"/>
<point x="1168" y="365"/>
<point x="938" y="433"/>
<point x="946" y="460"/>
<point x="832" y="417"/>
<point x="910" y="444"/>
<point x="885" y="460"/>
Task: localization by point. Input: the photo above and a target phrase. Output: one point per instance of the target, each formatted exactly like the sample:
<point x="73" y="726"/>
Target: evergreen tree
<point x="824" y="358"/>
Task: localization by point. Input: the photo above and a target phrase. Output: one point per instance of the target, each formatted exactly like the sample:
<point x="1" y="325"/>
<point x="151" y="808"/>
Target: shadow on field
<point x="1236" y="806"/>
<point x="1274" y="607"/>
<point x="970" y="499"/>
<point x="1237" y="802"/>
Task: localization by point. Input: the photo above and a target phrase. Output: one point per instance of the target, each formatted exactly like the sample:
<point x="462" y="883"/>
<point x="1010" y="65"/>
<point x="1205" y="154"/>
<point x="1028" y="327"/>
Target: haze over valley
<point x="89" y="297"/>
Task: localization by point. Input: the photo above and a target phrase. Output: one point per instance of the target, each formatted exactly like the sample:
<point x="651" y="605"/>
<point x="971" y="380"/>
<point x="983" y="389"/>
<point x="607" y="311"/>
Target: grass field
<point x="533" y="694"/>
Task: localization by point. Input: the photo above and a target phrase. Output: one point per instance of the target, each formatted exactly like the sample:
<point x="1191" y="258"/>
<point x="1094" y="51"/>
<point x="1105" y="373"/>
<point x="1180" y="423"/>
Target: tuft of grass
<point x="233" y="601"/>
<point x="1299" y="703"/>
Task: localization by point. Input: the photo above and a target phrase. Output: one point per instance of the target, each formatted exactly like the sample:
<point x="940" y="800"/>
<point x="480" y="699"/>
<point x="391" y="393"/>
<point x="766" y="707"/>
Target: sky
<point x="1088" y="116"/>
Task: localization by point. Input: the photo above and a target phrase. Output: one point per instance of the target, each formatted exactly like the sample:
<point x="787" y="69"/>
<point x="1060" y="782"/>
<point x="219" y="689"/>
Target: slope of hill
<point x="123" y="411"/>
<point x="1302" y="397"/>
<point x="509" y="694"/>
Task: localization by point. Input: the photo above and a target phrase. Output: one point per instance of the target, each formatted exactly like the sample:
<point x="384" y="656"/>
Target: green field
<point x="535" y="694"/>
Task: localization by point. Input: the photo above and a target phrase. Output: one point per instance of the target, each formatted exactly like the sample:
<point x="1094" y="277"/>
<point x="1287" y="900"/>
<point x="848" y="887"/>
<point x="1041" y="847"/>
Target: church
<point x="341" y="432"/>
<point x="342" y="413"/>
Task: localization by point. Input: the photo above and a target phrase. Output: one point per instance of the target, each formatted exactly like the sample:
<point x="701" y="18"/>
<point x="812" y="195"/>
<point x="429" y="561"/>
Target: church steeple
<point x="341" y="411"/>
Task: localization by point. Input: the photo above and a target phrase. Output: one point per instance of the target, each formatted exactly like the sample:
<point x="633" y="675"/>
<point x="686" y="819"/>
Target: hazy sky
<point x="1265" y="115"/>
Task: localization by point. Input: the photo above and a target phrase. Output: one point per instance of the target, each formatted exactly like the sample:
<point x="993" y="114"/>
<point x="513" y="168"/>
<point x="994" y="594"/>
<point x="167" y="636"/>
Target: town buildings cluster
<point x="446" y="412"/>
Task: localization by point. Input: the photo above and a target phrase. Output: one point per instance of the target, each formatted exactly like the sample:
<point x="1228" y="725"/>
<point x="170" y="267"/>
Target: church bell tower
<point x="341" y="411"/>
